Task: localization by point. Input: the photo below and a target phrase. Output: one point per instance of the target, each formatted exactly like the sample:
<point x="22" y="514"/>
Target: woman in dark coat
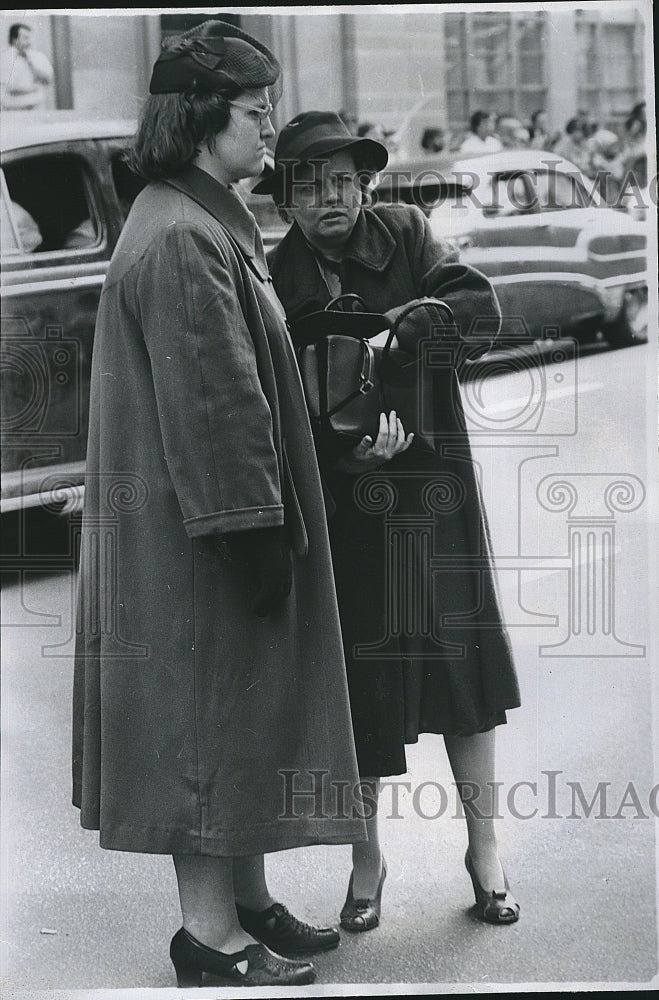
<point x="209" y="674"/>
<point x="435" y="659"/>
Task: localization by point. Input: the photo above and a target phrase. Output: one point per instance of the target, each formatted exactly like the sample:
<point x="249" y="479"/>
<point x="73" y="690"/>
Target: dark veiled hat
<point x="313" y="136"/>
<point x="215" y="57"/>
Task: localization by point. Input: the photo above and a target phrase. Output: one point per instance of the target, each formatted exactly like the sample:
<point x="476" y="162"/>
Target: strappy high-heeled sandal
<point x="494" y="907"/>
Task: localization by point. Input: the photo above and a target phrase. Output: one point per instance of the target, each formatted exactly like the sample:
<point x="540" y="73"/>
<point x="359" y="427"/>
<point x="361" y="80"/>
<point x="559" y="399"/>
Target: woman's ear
<point x="285" y="214"/>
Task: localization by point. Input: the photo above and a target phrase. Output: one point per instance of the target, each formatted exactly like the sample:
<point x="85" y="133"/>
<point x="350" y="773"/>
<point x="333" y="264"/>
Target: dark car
<point x="563" y="262"/>
<point x="65" y="192"/>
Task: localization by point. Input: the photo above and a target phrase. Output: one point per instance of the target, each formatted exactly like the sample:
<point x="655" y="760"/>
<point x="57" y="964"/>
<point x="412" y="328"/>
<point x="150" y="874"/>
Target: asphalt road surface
<point x="566" y="453"/>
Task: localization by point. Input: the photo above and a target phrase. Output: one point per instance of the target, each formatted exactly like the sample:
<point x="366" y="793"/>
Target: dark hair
<point x="172" y="130"/>
<point x="14" y="30"/>
<point x="477" y="118"/>
<point x="433" y="139"/>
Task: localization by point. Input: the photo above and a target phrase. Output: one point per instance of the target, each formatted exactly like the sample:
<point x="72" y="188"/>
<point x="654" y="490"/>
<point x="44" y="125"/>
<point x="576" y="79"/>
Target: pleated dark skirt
<point x="425" y="645"/>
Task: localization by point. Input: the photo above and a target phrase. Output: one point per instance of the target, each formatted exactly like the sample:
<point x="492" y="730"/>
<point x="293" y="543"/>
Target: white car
<point x="561" y="260"/>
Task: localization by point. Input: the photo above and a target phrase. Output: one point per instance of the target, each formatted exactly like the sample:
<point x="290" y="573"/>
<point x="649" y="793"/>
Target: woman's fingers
<point x="390" y="440"/>
<point x="393" y="428"/>
<point x="381" y="441"/>
<point x="363" y="448"/>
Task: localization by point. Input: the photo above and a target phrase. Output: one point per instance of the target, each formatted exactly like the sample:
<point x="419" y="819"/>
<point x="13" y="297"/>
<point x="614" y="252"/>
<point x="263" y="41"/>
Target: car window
<point x="51" y="204"/>
<point x="9" y="223"/>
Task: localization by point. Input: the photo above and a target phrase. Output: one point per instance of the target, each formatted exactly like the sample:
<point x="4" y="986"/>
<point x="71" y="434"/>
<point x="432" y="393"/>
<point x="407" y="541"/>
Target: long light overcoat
<point x="425" y="645"/>
<point x="197" y="724"/>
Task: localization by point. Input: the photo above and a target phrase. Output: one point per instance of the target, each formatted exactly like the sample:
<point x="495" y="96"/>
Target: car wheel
<point x="631" y="325"/>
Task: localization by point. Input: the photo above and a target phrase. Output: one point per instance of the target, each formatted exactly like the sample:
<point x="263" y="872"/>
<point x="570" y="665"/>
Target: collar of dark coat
<point x="301" y="287"/>
<point x="229" y="210"/>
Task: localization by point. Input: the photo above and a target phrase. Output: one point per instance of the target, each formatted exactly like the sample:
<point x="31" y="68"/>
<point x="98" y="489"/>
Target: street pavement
<point x="79" y="921"/>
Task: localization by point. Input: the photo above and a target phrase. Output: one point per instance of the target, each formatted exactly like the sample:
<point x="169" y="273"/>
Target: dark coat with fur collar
<point x="424" y="641"/>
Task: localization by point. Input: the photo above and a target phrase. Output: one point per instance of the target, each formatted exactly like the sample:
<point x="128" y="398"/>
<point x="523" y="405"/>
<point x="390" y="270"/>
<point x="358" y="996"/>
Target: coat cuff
<point x="222" y="522"/>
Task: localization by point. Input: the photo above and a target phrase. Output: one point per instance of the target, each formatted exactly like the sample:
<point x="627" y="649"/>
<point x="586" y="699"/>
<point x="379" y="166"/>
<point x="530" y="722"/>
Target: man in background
<point x="24" y="72"/>
<point x="481" y="138"/>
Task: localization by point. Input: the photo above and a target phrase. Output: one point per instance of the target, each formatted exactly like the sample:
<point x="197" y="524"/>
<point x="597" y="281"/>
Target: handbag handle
<point x="409" y="308"/>
<point x="338" y="303"/>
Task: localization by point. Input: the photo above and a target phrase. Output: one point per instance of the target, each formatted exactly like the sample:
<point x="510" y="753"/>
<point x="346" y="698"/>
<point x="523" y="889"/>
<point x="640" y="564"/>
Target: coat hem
<point x="266" y="840"/>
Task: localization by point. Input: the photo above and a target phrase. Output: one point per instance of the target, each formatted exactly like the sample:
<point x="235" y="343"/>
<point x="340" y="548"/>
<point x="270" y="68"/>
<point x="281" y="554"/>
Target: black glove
<point x="268" y="554"/>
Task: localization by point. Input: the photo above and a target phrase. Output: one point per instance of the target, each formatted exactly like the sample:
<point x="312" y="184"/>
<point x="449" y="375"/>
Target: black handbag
<point x="348" y="381"/>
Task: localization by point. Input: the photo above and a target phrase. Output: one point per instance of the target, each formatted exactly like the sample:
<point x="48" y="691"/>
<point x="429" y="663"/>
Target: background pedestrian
<point x="24" y="72"/>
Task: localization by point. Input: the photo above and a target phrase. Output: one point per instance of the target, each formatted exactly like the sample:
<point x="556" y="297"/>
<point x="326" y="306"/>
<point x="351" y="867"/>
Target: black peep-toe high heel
<point x="494" y="907"/>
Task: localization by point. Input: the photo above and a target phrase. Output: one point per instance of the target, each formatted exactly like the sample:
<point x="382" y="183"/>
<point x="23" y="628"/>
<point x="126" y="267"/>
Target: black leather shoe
<point x="255" y="965"/>
<point x="284" y="933"/>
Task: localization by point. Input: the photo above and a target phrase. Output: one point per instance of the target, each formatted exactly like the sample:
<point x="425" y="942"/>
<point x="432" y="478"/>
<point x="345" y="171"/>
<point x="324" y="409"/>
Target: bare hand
<point x="391" y="441"/>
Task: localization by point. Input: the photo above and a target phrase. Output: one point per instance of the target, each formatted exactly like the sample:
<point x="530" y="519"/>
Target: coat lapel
<point x="296" y="274"/>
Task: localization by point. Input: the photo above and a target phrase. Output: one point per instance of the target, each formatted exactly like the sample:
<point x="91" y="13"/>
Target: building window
<point x="494" y="62"/>
<point x="610" y="67"/>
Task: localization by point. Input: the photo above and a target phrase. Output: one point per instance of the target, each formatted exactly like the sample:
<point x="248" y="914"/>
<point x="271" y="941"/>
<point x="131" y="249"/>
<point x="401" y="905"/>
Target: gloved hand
<point x="268" y="554"/>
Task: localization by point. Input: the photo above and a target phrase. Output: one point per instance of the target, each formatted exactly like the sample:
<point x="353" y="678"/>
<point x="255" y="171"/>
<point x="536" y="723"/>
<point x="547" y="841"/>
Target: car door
<point x="61" y="226"/>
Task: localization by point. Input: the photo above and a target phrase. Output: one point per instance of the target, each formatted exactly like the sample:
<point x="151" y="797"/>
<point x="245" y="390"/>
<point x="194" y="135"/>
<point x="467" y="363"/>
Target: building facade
<point x="406" y="71"/>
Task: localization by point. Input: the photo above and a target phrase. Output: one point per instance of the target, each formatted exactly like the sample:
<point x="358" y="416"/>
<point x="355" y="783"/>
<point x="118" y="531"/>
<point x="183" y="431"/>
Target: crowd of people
<point x="602" y="154"/>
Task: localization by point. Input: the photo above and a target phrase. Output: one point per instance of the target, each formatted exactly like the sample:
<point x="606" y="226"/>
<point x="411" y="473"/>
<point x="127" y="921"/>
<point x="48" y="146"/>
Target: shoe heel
<point x="187" y="977"/>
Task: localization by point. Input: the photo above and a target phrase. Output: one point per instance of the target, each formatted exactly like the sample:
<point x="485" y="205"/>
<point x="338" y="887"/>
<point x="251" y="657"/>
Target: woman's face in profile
<point x="326" y="200"/>
<point x="240" y="148"/>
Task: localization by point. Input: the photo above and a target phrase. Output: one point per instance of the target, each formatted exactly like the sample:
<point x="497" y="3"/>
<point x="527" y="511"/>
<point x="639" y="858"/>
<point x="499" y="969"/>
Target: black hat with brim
<point x="313" y="136"/>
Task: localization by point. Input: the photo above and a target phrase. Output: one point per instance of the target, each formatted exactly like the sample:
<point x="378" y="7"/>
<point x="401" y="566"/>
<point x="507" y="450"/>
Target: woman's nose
<point x="267" y="130"/>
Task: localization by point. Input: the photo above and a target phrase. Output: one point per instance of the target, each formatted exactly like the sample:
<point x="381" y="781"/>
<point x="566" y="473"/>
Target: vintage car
<point x="563" y="262"/>
<point x="65" y="192"/>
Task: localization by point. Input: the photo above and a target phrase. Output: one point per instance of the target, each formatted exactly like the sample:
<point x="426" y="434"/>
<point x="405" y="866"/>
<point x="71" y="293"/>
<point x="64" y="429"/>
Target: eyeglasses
<point x="262" y="113"/>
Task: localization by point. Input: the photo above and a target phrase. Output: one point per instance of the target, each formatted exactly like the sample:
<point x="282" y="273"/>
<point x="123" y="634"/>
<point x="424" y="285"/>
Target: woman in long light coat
<point x="210" y="685"/>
